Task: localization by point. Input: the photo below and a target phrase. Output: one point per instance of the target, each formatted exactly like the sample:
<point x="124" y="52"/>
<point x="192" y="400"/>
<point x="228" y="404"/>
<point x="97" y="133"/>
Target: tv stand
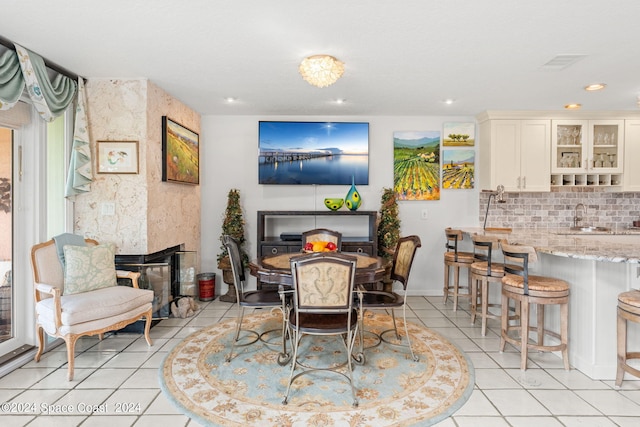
<point x="359" y="230"/>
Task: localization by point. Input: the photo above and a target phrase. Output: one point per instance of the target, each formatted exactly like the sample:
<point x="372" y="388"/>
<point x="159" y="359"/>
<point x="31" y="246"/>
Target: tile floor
<point x="121" y="372"/>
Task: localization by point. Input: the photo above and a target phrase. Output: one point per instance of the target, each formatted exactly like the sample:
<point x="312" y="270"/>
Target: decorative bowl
<point x="333" y="203"/>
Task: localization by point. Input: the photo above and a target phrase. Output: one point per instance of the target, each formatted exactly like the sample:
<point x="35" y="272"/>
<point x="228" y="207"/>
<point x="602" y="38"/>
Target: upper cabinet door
<point x="535" y="146"/>
<point x="631" y="177"/>
<point x="587" y="146"/>
<point x="519" y="157"/>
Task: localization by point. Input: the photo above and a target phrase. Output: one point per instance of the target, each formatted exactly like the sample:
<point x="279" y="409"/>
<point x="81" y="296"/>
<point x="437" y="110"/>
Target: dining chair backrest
<point x="235" y="259"/>
<point x="403" y="259"/>
<point x="322" y="235"/>
<point x="323" y="282"/>
<point x="517" y="259"/>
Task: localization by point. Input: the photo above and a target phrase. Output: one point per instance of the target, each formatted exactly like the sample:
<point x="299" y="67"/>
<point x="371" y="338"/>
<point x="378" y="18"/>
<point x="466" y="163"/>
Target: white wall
<point x="229" y="148"/>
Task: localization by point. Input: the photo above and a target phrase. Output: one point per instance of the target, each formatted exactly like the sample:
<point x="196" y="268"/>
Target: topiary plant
<point x="389" y="224"/>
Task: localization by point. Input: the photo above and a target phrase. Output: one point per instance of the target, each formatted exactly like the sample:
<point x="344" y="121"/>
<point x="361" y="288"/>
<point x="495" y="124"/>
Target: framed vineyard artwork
<point x="458" y="169"/>
<point x="459" y="134"/>
<point x="416" y="165"/>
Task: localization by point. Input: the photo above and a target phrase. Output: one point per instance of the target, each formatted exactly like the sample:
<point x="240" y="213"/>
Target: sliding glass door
<point x="6" y="236"/>
<point x="33" y="159"/>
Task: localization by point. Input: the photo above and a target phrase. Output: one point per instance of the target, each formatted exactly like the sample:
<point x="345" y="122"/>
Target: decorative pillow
<point x="89" y="268"/>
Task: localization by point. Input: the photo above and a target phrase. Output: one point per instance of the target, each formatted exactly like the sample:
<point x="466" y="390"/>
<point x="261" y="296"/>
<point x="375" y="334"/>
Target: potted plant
<point x="388" y="228"/>
<point x="232" y="225"/>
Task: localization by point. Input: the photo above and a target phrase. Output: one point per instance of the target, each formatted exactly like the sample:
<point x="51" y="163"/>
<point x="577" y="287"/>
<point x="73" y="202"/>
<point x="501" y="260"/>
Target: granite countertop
<point x="612" y="246"/>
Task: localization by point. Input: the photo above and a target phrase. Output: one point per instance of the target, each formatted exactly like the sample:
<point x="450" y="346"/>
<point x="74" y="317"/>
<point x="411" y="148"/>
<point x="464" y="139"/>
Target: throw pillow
<point x="89" y="268"/>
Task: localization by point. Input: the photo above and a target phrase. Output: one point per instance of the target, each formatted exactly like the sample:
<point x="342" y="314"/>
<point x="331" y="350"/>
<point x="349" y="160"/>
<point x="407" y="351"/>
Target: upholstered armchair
<point x="83" y="298"/>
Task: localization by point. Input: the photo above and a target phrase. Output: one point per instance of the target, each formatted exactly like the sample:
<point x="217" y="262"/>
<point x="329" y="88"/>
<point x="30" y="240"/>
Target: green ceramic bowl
<point x="333" y="203"/>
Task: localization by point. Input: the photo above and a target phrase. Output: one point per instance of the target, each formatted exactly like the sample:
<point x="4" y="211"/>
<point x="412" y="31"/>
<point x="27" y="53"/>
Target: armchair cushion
<point x="88" y="268"/>
<point x="104" y="303"/>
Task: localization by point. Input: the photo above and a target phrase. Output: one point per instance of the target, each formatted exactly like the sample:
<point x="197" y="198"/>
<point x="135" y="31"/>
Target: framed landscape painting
<point x="180" y="153"/>
<point x="459" y="134"/>
<point x="416" y="165"/>
<point x="458" y="169"/>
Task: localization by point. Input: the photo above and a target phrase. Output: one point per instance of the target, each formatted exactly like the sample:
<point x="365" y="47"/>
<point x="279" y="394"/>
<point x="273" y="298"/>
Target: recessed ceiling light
<point x="573" y="106"/>
<point x="594" y="86"/>
<point x="230" y="99"/>
<point x="449" y="101"/>
<point x="340" y="101"/>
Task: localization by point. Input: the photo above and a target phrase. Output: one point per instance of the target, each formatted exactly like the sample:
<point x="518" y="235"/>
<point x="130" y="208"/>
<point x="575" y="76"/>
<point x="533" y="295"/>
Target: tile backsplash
<point x="557" y="208"/>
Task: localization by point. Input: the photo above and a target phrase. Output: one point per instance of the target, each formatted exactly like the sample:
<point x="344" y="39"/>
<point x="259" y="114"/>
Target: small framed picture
<point x="117" y="156"/>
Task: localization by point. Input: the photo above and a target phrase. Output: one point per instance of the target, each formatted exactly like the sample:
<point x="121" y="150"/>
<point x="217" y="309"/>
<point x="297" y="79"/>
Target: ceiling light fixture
<point x="321" y="70"/>
<point x="594" y="87"/>
<point x="573" y="106"/>
<point x="449" y="101"/>
<point x="230" y="99"/>
<point x="340" y="101"/>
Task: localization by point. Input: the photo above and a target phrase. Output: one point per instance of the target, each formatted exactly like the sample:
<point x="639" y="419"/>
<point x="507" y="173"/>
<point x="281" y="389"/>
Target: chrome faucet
<point x="576" y="218"/>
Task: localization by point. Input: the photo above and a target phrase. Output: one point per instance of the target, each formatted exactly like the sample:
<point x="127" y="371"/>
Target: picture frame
<point x="180" y="153"/>
<point x="117" y="157"/>
<point x="458" y="134"/>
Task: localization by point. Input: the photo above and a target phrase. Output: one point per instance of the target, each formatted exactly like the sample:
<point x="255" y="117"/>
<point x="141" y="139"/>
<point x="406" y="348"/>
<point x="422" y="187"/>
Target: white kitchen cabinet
<point x="631" y="177"/>
<point x="515" y="153"/>
<point x="587" y="152"/>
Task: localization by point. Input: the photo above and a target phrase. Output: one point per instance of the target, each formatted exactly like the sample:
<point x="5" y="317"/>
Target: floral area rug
<point x="392" y="389"/>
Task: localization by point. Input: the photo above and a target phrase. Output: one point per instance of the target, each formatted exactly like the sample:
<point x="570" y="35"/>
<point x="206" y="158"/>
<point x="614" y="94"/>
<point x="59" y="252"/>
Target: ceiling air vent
<point x="560" y="62"/>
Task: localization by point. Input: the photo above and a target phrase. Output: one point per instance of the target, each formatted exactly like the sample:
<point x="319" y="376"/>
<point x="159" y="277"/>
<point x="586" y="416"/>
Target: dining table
<point x="276" y="269"/>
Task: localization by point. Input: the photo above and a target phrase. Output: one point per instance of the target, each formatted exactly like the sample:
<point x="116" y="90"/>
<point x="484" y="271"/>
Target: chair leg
<point x="564" y="334"/>
<point x="239" y="318"/>
<point x="622" y="349"/>
<point x="474" y="298"/>
<point x="40" y="334"/>
<point x="406" y="332"/>
<point x="456" y="278"/>
<point x="484" y="305"/>
<point x="294" y="362"/>
<point x="147" y="327"/>
<point x="71" y="348"/>
<point x="540" y="326"/>
<point x="524" y="336"/>
<point x="504" y="322"/>
<point x="446" y="284"/>
<point x="395" y="327"/>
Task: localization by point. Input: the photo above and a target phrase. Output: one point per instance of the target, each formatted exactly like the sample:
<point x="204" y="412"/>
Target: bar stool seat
<point x="528" y="290"/>
<point x="628" y="311"/>
<point x="453" y="258"/>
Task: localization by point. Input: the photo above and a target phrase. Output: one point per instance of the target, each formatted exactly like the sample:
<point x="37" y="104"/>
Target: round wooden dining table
<point x="276" y="269"/>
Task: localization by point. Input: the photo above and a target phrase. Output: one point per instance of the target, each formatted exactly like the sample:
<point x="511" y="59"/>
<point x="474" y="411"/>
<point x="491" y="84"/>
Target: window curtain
<point x="51" y="98"/>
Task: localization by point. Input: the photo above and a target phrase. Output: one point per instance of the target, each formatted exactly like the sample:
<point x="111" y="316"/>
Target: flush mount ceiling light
<point x="321" y="70"/>
<point x="573" y="106"/>
<point x="594" y="87"/>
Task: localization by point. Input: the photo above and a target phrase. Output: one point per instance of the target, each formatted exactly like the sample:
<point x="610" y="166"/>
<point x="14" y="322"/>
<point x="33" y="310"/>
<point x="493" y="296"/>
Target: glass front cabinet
<point x="587" y="152"/>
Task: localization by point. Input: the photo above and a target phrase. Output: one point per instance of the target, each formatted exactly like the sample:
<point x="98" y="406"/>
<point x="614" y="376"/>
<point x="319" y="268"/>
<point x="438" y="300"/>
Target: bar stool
<point x="485" y="271"/>
<point x="456" y="259"/>
<point x="527" y="290"/>
<point x="628" y="311"/>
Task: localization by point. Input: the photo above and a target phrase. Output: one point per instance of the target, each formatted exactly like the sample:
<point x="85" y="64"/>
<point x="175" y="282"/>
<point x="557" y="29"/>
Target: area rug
<point x="392" y="389"/>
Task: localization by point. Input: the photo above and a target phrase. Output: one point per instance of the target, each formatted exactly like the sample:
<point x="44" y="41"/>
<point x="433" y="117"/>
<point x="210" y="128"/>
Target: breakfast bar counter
<point x="598" y="266"/>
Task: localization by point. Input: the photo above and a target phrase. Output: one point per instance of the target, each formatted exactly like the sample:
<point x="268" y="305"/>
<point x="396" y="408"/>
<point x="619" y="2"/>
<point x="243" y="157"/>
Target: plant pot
<point x="227" y="277"/>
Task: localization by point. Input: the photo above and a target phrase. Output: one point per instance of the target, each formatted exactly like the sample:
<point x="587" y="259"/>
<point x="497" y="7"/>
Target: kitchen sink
<point x="591" y="229"/>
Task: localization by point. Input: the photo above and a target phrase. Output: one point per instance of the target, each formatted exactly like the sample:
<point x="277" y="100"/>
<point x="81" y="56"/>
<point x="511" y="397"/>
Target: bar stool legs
<point x="628" y="311"/>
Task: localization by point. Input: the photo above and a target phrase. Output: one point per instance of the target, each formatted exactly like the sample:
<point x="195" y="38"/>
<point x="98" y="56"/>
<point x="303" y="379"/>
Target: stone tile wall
<point x="557" y="208"/>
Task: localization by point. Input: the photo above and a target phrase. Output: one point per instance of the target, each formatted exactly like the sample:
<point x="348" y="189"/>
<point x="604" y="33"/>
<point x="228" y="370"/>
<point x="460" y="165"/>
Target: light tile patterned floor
<point x="120" y="375"/>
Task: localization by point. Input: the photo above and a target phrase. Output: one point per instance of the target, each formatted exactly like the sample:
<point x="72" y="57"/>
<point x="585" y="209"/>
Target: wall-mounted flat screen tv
<point x="322" y="153"/>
